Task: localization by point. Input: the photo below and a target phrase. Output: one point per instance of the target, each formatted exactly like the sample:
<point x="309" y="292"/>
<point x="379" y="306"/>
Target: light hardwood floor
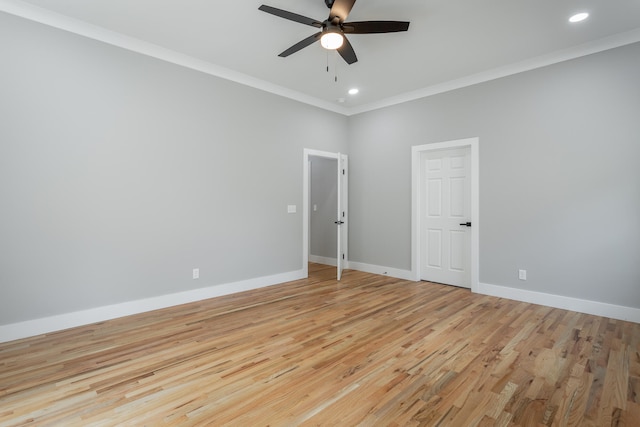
<point x="370" y="350"/>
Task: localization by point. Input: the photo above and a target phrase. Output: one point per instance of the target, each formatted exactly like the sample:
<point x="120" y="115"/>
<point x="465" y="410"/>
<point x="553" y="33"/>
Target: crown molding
<point x="585" y="49"/>
<point x="72" y="25"/>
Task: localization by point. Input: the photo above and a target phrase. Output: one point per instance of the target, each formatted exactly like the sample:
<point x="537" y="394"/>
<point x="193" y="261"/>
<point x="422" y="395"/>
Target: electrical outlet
<point x="522" y="274"/>
<point x="196" y="273"/>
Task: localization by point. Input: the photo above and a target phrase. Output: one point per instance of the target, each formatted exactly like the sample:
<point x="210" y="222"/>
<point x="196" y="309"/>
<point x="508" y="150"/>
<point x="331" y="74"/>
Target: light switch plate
<point x="291" y="209"/>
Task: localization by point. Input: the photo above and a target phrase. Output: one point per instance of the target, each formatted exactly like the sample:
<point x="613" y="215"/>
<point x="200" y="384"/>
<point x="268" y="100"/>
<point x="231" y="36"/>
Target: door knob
<point x="339" y="222"/>
<point x="466" y="224"/>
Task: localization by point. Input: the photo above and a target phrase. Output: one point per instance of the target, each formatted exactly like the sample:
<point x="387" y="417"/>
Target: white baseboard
<point x="323" y="260"/>
<point x="367" y="268"/>
<point x="550" y="300"/>
<point x="45" y="325"/>
<point x="377" y="269"/>
<point x="567" y="303"/>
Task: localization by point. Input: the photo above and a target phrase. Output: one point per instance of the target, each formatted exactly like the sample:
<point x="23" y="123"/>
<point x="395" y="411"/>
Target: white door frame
<point x="305" y="205"/>
<point x="416" y="186"/>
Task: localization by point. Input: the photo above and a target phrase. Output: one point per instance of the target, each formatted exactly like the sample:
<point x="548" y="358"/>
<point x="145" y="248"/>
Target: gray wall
<point x="559" y="176"/>
<point x="323" y="236"/>
<point x="120" y="173"/>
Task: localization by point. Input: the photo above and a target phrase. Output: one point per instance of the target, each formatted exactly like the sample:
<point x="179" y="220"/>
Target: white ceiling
<point x="450" y="43"/>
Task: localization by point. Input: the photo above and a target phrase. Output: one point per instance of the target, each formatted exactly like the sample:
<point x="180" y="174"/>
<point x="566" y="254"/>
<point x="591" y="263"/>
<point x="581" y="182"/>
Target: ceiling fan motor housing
<point x="329" y="3"/>
<point x="331" y="27"/>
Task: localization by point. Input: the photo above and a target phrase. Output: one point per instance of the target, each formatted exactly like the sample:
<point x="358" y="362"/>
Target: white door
<point x="445" y="195"/>
<point x="341" y="221"/>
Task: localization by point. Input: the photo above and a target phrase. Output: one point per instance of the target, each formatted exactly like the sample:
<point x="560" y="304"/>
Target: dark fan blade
<point x="290" y="16"/>
<point x="301" y="44"/>
<point x="371" y="27"/>
<point x="347" y="52"/>
<point x="341" y="9"/>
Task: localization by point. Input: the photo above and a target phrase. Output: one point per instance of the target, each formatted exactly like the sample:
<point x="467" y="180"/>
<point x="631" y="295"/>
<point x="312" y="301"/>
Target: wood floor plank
<point x="369" y="350"/>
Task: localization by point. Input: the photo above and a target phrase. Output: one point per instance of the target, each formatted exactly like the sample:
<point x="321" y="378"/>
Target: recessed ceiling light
<point x="353" y="91"/>
<point x="579" y="17"/>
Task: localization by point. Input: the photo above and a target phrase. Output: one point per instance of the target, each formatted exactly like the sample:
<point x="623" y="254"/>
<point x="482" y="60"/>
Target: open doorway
<point x="325" y="218"/>
<point x="323" y="199"/>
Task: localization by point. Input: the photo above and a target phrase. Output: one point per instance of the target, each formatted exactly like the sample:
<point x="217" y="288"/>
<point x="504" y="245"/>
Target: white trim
<point x="595" y="308"/>
<point x="56" y="20"/>
<point x="381" y="270"/>
<point x="306" y="153"/>
<point x="79" y="318"/>
<point x="99" y="314"/>
<point x="473" y="144"/>
<point x="318" y="153"/>
<point x="323" y="260"/>
<point x="343" y="201"/>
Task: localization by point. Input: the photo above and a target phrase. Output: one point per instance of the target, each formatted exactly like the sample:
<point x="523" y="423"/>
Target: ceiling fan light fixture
<point x="331" y="40"/>
<point x="332" y="30"/>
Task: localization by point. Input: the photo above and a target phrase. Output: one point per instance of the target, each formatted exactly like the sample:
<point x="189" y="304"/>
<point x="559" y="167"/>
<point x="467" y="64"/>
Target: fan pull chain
<point x="335" y="67"/>
<point x="327" y="61"/>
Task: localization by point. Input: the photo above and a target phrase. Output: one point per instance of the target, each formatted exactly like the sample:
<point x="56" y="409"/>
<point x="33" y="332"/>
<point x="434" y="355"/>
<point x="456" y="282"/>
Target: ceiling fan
<point x="333" y="29"/>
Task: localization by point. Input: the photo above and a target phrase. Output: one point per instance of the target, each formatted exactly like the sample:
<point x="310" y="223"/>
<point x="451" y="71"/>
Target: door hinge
<point x="342" y="171"/>
<point x="342" y="256"/>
